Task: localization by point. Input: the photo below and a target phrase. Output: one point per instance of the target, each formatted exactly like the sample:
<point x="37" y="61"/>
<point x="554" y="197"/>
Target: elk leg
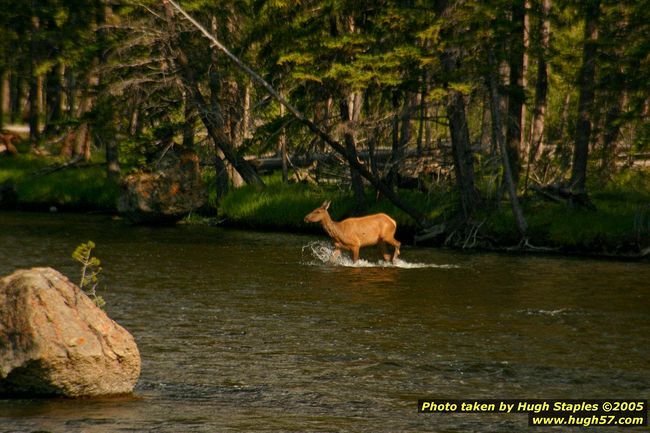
<point x="335" y="254"/>
<point x="355" y="253"/>
<point x="383" y="250"/>
<point x="396" y="244"/>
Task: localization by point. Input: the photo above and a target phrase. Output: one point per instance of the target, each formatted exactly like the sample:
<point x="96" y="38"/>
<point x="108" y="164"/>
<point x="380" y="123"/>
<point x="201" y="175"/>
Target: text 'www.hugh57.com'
<point x="547" y="412"/>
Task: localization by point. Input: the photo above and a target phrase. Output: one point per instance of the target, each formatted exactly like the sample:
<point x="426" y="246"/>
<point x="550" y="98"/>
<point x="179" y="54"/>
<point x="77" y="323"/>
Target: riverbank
<point x="31" y="182"/>
<point x="619" y="227"/>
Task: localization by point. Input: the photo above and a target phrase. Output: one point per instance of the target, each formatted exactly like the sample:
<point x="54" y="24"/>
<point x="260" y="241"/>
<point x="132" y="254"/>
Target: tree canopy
<point x="492" y="99"/>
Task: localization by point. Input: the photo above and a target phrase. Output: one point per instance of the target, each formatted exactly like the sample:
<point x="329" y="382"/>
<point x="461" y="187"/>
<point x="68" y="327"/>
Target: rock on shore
<point x="55" y="341"/>
<point x="166" y="195"/>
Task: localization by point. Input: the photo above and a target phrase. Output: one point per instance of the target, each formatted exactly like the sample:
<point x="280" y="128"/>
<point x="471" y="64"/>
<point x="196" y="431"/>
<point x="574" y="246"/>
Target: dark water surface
<point x="244" y="331"/>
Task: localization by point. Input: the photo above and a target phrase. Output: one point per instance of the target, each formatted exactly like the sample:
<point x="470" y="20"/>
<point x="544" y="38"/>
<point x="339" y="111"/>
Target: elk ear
<point x="326" y="204"/>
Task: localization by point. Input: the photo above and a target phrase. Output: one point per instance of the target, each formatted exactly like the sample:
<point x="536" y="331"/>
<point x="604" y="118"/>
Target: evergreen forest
<point x="496" y="106"/>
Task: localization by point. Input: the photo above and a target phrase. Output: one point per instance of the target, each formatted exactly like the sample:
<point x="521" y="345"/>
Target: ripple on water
<point x="237" y="333"/>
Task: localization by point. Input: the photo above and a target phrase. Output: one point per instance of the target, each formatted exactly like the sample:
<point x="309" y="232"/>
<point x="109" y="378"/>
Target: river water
<point x="252" y="332"/>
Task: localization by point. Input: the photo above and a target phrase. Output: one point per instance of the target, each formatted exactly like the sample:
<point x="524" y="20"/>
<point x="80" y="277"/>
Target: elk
<point x="6" y="145"/>
<point x="353" y="233"/>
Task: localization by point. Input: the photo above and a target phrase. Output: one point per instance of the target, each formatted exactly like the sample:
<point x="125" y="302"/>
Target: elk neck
<point x="331" y="227"/>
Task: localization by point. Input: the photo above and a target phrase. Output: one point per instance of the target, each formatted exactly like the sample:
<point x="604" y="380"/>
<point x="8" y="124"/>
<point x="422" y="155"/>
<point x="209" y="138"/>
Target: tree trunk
<point x="541" y="88"/>
<point x="53" y="90"/>
<point x="246" y="115"/>
<point x="395" y="142"/>
<point x="586" y="83"/>
<point x="112" y="158"/>
<point x="497" y="134"/>
<point x="82" y="142"/>
<point x="34" y="127"/>
<point x="212" y="118"/>
<point x="348" y="117"/>
<point x="105" y="130"/>
<point x="516" y="95"/>
<point x="503" y="87"/>
<point x="524" y="76"/>
<point x="462" y="153"/>
<point x="372" y="154"/>
<point x="428" y="133"/>
<point x="227" y="136"/>
<point x="401" y="133"/>
<point x="15" y="96"/>
<point x="82" y="139"/>
<point x="6" y="92"/>
<point x="188" y="124"/>
<point x="223" y="173"/>
<point x="373" y="133"/>
<point x="405" y="129"/>
<point x="422" y="109"/>
<point x="612" y="129"/>
<point x="107" y="125"/>
<point x="2" y="99"/>
<point x="282" y="142"/>
<point x="485" y="124"/>
<point x="562" y="146"/>
<point x="70" y="91"/>
<point x="34" y="130"/>
<point x="458" y="129"/>
<point x="221" y="177"/>
<point x="231" y="97"/>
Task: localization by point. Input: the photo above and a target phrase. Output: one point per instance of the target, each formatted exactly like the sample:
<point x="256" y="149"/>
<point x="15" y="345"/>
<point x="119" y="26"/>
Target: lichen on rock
<point x="55" y="341"/>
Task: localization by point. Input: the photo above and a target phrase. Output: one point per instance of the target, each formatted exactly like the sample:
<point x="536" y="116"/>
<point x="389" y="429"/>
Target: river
<point x="252" y="332"/>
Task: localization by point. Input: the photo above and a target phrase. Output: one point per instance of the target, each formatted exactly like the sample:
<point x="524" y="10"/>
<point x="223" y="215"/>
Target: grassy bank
<point x="619" y="226"/>
<point x="85" y="187"/>
<point x="283" y="207"/>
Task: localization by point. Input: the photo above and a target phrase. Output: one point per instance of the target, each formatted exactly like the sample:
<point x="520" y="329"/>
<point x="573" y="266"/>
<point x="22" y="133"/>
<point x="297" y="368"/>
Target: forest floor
<point x="619" y="227"/>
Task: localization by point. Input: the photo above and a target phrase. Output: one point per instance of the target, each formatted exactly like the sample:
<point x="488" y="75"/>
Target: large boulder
<point x="55" y="341"/>
<point x="165" y="195"/>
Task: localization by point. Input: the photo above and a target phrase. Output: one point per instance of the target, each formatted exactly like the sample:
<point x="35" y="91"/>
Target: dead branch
<point x="473" y="232"/>
<point x="75" y="162"/>
<point x="429" y="233"/>
<point x="560" y="193"/>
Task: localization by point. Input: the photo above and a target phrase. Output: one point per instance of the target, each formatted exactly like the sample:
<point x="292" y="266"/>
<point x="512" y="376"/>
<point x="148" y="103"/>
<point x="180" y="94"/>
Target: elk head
<point x="319" y="213"/>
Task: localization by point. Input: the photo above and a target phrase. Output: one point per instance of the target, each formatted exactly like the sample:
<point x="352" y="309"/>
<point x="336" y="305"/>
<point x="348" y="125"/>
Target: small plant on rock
<point x="90" y="269"/>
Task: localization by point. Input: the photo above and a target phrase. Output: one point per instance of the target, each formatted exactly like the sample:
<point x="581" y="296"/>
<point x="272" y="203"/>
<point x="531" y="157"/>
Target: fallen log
<point x="561" y="193"/>
<point x="275" y="162"/>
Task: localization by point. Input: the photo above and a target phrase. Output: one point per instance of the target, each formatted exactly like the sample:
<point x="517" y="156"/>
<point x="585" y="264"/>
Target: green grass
<point x="16" y="168"/>
<point x="279" y="206"/>
<point x="283" y="206"/>
<point x="85" y="187"/>
<point x="558" y="225"/>
<point x="621" y="219"/>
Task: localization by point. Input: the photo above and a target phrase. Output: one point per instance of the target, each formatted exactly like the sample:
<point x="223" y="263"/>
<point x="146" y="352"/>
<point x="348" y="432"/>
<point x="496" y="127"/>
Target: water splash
<point x="320" y="253"/>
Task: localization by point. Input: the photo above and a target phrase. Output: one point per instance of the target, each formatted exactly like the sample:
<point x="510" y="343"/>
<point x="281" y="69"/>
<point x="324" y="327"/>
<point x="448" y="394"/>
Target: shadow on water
<point x="245" y="331"/>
